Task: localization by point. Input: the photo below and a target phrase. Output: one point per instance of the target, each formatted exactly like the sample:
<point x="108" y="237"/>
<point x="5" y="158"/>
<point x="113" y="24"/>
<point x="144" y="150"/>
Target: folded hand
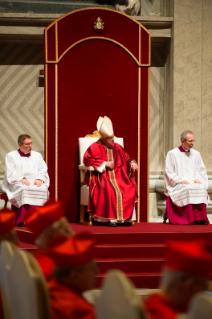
<point x="197" y="181"/>
<point x="25" y="182"/>
<point x="185" y="182"/>
<point x="38" y="183"/>
<point x="110" y="165"/>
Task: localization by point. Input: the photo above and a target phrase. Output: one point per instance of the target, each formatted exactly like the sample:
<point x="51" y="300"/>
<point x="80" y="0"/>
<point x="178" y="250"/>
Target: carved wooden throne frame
<point x="96" y="63"/>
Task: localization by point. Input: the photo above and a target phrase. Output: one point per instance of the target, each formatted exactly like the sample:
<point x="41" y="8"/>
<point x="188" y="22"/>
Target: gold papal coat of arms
<point x="99" y="24"/>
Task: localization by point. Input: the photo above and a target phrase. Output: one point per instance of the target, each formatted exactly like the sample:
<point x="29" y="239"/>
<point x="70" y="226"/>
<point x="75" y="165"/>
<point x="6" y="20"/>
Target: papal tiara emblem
<point x="99" y="24"/>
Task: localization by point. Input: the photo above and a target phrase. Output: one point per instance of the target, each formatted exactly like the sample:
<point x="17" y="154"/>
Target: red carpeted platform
<point x="137" y="250"/>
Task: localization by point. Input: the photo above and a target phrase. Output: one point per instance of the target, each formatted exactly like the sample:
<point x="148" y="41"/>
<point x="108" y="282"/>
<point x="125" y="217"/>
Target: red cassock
<point x="46" y="263"/>
<point x="158" y="306"/>
<point x="67" y="304"/>
<point x="113" y="192"/>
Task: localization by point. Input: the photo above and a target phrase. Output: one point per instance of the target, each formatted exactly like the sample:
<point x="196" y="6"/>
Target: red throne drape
<point x="96" y="63"/>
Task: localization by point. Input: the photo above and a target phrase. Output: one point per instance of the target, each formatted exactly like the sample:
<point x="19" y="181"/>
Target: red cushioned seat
<point x="3" y="196"/>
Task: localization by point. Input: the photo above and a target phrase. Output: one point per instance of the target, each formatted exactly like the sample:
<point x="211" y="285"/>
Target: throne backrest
<point x="85" y="142"/>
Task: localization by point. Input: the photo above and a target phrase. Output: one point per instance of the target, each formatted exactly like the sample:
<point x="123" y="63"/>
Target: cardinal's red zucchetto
<point x="72" y="251"/>
<point x="190" y="256"/>
<point x="39" y="218"/>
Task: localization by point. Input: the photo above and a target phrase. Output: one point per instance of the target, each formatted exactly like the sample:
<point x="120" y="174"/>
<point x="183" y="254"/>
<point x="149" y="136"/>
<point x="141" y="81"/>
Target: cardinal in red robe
<point x="187" y="269"/>
<point x="113" y="191"/>
<point x="74" y="273"/>
<point x="47" y="222"/>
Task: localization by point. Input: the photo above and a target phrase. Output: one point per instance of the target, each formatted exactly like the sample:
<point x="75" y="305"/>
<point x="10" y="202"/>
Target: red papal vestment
<point x="112" y="192"/>
<point x="67" y="304"/>
<point x="160" y="307"/>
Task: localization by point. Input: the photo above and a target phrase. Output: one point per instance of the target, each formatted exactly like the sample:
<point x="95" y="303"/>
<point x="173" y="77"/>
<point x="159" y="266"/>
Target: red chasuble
<point x="67" y="304"/>
<point x="158" y="306"/>
<point x="113" y="192"/>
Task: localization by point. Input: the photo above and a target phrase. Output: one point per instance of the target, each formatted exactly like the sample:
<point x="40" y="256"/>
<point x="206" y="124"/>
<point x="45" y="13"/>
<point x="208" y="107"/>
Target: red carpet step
<point x="137" y="250"/>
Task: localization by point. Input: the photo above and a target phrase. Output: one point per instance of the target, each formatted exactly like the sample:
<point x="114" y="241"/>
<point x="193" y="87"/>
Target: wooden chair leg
<point x="82" y="216"/>
<point x="90" y="219"/>
<point x="165" y="217"/>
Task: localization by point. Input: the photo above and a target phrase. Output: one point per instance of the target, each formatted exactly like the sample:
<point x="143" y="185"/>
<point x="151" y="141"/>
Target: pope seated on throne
<point x="112" y="190"/>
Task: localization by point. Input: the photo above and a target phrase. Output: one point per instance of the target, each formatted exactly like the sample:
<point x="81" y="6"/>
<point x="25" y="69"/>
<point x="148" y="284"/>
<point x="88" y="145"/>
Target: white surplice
<point x="32" y="168"/>
<point x="188" y="166"/>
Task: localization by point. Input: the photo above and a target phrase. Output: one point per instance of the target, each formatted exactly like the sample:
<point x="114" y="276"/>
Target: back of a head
<point x="201" y="307"/>
<point x="118" y="299"/>
<point x="183" y="255"/>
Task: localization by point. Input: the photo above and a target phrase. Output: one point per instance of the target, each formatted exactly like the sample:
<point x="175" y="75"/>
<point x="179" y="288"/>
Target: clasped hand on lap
<point x="36" y="182"/>
<point x="25" y="182"/>
<point x="110" y="165"/>
<point x="196" y="181"/>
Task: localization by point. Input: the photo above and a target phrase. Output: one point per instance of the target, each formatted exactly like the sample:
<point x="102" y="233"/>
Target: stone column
<point x="192" y="74"/>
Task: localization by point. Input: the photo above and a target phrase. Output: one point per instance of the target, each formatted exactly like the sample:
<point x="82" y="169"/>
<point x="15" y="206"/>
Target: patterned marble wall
<point x="156" y="138"/>
<point x="192" y="74"/>
<point x="21" y="100"/>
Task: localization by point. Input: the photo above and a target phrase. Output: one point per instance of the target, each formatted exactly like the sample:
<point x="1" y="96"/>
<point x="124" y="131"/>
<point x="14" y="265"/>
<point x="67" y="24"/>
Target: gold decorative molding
<point x="46" y="115"/>
<point x="56" y="41"/>
<point x="148" y="145"/>
<point x="95" y="8"/>
<point x="139" y="142"/>
<point x="139" y="44"/>
<point x="96" y="38"/>
<point x="46" y="111"/>
<point x="90" y="38"/>
<point x="56" y="133"/>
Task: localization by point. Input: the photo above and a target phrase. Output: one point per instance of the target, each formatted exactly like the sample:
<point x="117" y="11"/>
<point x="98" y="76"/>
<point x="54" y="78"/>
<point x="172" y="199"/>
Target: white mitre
<point x="118" y="299"/>
<point x="105" y="127"/>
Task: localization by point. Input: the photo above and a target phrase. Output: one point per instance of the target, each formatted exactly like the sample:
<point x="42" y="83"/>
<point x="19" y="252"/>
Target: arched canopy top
<point x="96" y="23"/>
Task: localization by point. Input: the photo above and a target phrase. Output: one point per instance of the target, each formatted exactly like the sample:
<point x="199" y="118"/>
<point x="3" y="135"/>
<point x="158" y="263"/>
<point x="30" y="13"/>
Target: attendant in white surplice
<point x="26" y="180"/>
<point x="186" y="184"/>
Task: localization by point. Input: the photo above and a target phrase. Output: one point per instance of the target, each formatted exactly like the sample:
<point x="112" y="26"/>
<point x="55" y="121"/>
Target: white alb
<point x="32" y="168"/>
<point x="188" y="166"/>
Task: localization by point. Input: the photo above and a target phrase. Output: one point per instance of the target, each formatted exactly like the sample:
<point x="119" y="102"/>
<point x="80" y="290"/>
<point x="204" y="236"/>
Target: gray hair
<point x="183" y="135"/>
<point x="46" y="234"/>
